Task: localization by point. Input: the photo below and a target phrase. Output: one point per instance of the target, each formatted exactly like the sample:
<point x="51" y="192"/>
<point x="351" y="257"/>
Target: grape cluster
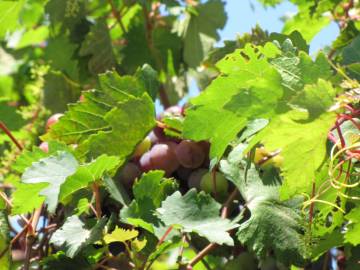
<point x="185" y="160"/>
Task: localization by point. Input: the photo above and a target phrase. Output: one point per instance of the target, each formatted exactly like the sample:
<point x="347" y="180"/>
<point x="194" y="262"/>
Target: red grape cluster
<point x="186" y="160"/>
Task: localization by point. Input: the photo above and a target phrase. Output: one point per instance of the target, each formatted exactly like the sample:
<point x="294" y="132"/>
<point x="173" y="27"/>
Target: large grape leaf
<point x="112" y="120"/>
<point x="74" y="235"/>
<point x="301" y="136"/>
<point x="198" y="213"/>
<point x="87" y="173"/>
<point x="98" y="45"/>
<point x="200" y="28"/>
<point x="5" y="259"/>
<point x="149" y="192"/>
<point x="273" y="225"/>
<point x="52" y="170"/>
<point x="272" y="82"/>
<point x="225" y="107"/>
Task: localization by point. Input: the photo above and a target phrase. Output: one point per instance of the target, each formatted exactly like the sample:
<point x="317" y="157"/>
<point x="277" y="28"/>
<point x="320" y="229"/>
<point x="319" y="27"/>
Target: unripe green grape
<point x="142" y="147"/>
<point x="207" y="184"/>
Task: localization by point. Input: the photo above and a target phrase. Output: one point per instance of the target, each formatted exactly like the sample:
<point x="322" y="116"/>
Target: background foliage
<point x="278" y="188"/>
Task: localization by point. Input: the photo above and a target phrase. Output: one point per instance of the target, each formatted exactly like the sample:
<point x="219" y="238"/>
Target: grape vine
<point x="107" y="163"/>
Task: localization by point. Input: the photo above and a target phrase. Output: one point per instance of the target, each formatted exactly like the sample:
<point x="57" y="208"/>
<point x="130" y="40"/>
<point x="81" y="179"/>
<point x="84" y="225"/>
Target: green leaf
<point x="316" y="98"/>
<point x="52" y="170"/>
<point x="306" y="22"/>
<point x="58" y="92"/>
<point x="302" y="141"/>
<point x="198" y="213"/>
<point x="98" y="45"/>
<point x="116" y="190"/>
<point x="27" y="198"/>
<point x="149" y="192"/>
<point x="9" y="16"/>
<point x="352" y="235"/>
<point x="112" y="120"/>
<point x="220" y="117"/>
<point x="120" y="235"/>
<point x="199" y="29"/>
<point x="28" y="157"/>
<point x="273" y="225"/>
<point x="74" y="235"/>
<point x="33" y="37"/>
<point x="149" y="78"/>
<point x="88" y="173"/>
<point x="63" y="61"/>
<point x="5" y="251"/>
<point x="60" y="261"/>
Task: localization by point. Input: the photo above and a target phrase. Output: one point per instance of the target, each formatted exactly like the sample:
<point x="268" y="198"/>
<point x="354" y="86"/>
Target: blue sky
<point x="245" y="14"/>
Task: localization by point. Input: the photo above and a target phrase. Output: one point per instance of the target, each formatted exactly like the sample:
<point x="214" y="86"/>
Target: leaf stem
<point x="9" y="134"/>
<point x="96" y="193"/>
<point x="162" y="239"/>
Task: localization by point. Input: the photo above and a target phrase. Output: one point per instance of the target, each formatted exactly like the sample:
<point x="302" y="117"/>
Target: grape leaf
<point x="116" y="190"/>
<point x="28" y="157"/>
<point x="52" y="170"/>
<point x="198" y="213"/>
<point x="225" y="107"/>
<point x="138" y="51"/>
<point x="149" y="192"/>
<point x="120" y="235"/>
<point x="97" y="44"/>
<point x="87" y="173"/>
<point x="273" y="225"/>
<point x="27" y="197"/>
<point x="301" y="137"/>
<point x="110" y="121"/>
<point x="5" y="259"/>
<point x="33" y="37"/>
<point x="74" y="235"/>
<point x="306" y="22"/>
<point x="63" y="61"/>
<point x="353" y="228"/>
<point x="199" y="30"/>
<point x="58" y="92"/>
<point x="60" y="261"/>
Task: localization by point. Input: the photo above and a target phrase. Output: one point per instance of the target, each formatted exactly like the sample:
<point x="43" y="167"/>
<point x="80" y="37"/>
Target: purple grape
<point x="162" y="157"/>
<point x="190" y="154"/>
<point x="194" y="179"/>
<point x="145" y="162"/>
<point x="129" y="173"/>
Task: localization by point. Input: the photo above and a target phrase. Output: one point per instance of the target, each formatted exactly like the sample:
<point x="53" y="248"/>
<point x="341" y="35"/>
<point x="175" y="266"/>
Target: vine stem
<point x="117" y="15"/>
<point x="31" y="237"/>
<point x="96" y="193"/>
<point x="311" y="209"/>
<point x="10" y="135"/>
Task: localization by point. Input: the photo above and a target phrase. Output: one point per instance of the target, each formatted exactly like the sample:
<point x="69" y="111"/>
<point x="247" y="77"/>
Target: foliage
<point x="275" y="129"/>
